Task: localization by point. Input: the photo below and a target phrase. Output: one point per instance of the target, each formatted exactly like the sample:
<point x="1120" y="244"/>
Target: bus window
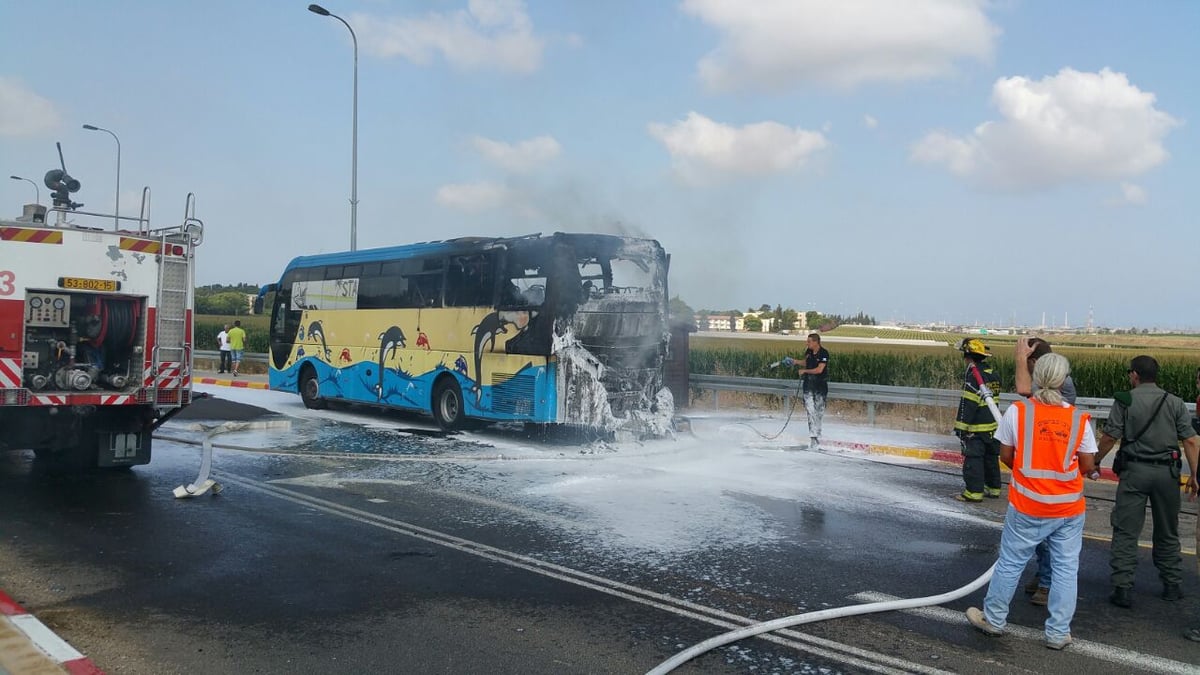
<point x="424" y="282"/>
<point x="469" y="281"/>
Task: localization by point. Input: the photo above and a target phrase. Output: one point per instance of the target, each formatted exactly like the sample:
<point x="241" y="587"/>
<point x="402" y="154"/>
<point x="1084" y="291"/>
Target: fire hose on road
<point x="837" y="612"/>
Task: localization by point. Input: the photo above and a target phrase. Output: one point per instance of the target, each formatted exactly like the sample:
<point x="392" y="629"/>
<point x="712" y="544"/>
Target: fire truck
<point x="95" y="329"/>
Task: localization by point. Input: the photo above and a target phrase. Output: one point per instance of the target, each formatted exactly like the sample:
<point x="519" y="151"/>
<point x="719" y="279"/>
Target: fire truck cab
<point x="95" y="332"/>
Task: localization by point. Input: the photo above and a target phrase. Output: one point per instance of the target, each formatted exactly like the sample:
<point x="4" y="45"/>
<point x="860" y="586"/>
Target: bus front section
<point x="611" y="339"/>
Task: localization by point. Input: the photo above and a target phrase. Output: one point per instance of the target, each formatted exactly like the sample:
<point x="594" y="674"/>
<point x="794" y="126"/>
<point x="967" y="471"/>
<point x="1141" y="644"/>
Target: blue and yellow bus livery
<point x="558" y="329"/>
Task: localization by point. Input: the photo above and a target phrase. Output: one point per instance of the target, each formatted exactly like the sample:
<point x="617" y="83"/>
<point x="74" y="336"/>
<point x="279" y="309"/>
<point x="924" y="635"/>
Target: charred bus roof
<point x="604" y="245"/>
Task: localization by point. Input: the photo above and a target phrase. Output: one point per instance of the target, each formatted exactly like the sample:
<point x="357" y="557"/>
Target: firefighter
<point x="974" y="425"/>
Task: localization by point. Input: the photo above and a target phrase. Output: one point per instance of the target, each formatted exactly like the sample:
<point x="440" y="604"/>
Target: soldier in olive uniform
<point x="1149" y="422"/>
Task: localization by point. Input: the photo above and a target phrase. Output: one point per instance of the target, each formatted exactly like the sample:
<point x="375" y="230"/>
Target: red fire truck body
<point x="95" y="334"/>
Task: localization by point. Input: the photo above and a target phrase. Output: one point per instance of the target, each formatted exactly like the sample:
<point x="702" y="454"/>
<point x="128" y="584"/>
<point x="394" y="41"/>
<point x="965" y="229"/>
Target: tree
<point x="787" y="320"/>
<point x="753" y="324"/>
<point x="222" y="303"/>
<point x="814" y="319"/>
<point x="680" y="311"/>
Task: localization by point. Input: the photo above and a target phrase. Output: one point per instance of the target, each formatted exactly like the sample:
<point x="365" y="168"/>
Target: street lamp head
<point x="91" y="128"/>
<point x="16" y="178"/>
<point x="317" y="9"/>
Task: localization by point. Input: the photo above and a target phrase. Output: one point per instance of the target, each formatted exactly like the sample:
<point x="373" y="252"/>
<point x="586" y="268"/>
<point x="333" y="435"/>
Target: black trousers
<point x="226" y="361"/>
<point x="981" y="463"/>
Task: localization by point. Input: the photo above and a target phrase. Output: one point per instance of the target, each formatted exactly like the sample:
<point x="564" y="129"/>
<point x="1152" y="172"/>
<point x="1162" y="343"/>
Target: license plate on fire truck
<point x="82" y="284"/>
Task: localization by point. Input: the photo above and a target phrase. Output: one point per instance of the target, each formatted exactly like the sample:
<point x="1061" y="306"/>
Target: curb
<point x="32" y="647"/>
<point x="241" y="384"/>
<point x="947" y="456"/>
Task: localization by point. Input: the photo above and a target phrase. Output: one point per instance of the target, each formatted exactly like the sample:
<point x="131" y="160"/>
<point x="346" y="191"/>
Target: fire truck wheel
<point x="310" y="389"/>
<point x="448" y="407"/>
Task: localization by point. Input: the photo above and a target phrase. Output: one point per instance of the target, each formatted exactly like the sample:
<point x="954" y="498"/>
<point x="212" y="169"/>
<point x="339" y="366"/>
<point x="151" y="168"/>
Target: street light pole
<point x="37" y="193"/>
<point x="117" y="215"/>
<point x="317" y="9"/>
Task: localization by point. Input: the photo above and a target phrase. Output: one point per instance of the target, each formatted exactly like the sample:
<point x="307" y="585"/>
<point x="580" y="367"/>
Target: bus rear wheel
<point x="310" y="389"/>
<point x="448" y="408"/>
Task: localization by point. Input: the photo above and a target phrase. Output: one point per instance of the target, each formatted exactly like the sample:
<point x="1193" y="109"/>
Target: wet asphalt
<point x="322" y="555"/>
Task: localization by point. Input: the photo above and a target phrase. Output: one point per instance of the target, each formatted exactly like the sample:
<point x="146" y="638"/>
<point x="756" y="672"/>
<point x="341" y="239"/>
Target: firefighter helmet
<point x="973" y="346"/>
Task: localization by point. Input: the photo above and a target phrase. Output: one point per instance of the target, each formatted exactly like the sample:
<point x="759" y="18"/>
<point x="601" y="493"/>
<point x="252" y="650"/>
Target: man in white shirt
<point x="226" y="353"/>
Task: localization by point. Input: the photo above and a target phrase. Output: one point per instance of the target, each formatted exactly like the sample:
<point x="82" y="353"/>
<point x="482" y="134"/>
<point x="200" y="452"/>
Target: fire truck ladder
<point x="173" y="341"/>
<point x="172" y="356"/>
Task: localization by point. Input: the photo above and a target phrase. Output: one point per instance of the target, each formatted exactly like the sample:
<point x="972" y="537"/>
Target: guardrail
<point x="214" y="354"/>
<point x="875" y="393"/>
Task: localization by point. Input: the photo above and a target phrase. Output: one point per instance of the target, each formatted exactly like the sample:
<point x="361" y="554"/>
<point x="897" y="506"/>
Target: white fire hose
<point x="203" y="483"/>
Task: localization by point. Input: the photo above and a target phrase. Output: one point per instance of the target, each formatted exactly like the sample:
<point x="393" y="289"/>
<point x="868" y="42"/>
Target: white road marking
<point x="1122" y="657"/>
<point x="54" y="646"/>
<point x="331" y="480"/>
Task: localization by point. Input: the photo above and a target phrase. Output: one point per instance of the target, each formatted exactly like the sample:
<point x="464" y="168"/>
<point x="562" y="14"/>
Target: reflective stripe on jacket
<point x="1045" y="475"/>
<point x="974" y="417"/>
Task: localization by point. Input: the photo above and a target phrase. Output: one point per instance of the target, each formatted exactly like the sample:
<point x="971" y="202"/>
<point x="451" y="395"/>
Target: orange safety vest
<point x="1045" y="475"/>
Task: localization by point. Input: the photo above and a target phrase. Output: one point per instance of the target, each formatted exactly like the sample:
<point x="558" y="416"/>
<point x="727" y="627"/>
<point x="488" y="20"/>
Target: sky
<point x="960" y="161"/>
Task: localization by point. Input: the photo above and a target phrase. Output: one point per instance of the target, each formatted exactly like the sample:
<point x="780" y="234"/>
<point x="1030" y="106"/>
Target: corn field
<point x="1097" y="373"/>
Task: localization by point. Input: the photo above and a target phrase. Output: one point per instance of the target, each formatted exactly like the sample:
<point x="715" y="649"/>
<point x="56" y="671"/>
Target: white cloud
<point x="1070" y="126"/>
<point x="698" y="144"/>
<point x="22" y="112"/>
<point x="488" y="34"/>
<point x="474" y="197"/>
<point x="870" y="122"/>
<point x="519" y="157"/>
<point x="1131" y="195"/>
<point x="773" y="44"/>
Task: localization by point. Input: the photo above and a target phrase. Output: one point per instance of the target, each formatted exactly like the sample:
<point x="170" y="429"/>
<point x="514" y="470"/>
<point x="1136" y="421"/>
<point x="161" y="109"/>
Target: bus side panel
<point x="395" y="357"/>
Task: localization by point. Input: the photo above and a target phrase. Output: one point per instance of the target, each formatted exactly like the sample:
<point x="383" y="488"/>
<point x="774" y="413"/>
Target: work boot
<point x="973" y="497"/>
<point x="1032" y="585"/>
<point x="1059" y="644"/>
<point x="991" y="493"/>
<point x="1040" y="597"/>
<point x="1122" y="596"/>
<point x="979" y="621"/>
<point x="1172" y="592"/>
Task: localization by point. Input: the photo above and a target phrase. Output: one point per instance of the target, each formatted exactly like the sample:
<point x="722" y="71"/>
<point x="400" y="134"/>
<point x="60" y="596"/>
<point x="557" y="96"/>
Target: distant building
<point x="721" y="322"/>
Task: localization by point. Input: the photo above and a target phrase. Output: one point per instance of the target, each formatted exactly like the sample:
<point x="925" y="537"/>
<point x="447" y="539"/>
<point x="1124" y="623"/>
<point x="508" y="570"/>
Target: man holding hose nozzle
<point x="1050" y="447"/>
<point x="974" y="426"/>
<point x="814" y="375"/>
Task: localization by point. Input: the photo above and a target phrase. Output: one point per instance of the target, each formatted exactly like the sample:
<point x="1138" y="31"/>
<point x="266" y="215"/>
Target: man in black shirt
<point x="814" y="374"/>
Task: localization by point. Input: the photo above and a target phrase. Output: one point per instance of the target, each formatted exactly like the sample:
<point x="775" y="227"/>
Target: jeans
<point x="226" y="361"/>
<point x="1021" y="535"/>
<point x="814" y="404"/>
<point x="1043" y="564"/>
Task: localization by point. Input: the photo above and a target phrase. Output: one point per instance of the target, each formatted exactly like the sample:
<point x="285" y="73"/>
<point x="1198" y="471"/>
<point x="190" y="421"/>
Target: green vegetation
<point x="256" y="327"/>
<point x="220" y="299"/>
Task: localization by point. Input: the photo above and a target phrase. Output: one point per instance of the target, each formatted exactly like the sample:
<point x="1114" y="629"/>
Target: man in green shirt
<point x="237" y="344"/>
<point x="1149" y="423"/>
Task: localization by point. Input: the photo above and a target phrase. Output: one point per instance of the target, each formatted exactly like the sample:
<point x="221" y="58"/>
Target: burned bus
<point x="563" y="329"/>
